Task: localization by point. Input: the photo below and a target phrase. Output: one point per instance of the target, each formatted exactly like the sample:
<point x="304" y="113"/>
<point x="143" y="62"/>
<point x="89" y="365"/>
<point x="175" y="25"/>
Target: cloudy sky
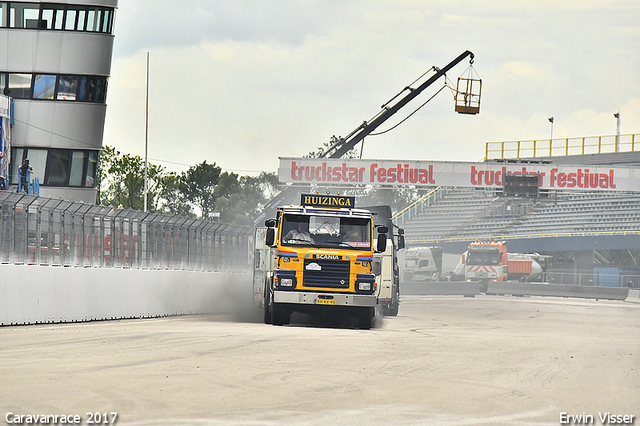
<point x="243" y="82"/>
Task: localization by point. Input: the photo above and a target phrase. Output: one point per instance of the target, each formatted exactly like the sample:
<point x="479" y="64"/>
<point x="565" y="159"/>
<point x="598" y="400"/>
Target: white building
<point x="55" y="64"/>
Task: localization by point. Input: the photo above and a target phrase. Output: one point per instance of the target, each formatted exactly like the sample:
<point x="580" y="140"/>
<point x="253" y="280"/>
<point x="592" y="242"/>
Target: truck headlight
<point x="364" y="286"/>
<point x="286" y="282"/>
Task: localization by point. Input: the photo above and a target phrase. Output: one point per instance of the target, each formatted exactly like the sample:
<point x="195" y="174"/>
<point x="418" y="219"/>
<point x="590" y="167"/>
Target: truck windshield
<point x="326" y="231"/>
<point x="483" y="257"/>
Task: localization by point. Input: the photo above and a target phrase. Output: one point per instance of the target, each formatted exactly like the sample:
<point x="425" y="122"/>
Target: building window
<point x="56" y="16"/>
<point x="50" y="87"/>
<point x="3" y="14"/>
<point x="57" y="167"/>
<point x="67" y="88"/>
<point x="52" y="16"/>
<point x="24" y="15"/>
<point x="44" y="86"/>
<point x="19" y="85"/>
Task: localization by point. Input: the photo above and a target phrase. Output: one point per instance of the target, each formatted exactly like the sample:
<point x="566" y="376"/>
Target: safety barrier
<point x="444" y="288"/>
<point x="563" y="146"/>
<point x="556" y="290"/>
<point x="463" y="288"/>
<point x="633" y="296"/>
<point x="49" y="294"/>
<point x="44" y="231"/>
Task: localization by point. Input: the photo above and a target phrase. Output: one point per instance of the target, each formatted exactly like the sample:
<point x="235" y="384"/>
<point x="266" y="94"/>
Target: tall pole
<point x="146" y="136"/>
<point x="617" y="116"/>
<point x="551" y="121"/>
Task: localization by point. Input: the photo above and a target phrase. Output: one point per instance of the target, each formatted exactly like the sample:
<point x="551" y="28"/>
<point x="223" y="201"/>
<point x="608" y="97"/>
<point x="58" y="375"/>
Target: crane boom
<point x="343" y="145"/>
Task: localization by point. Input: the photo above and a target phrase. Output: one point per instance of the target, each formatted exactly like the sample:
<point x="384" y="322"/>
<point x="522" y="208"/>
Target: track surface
<point x="445" y="360"/>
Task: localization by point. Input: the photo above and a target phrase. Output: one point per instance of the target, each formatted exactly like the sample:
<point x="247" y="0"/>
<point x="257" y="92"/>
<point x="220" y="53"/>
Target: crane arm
<point x="343" y="146"/>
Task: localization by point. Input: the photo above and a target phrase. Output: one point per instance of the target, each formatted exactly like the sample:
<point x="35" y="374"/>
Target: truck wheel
<point x="279" y="315"/>
<point x="267" y="303"/>
<point x="365" y="318"/>
<point x="392" y="310"/>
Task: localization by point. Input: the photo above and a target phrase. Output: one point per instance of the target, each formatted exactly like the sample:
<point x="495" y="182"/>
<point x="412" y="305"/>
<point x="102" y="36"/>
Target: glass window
<point x="77" y="168"/>
<point x="87" y="89"/>
<point x="37" y="160"/>
<point x="70" y="19"/>
<point x="100" y="89"/>
<point x="92" y="164"/>
<point x="44" y="86"/>
<point x="67" y="88"/>
<point x="58" y="167"/>
<point x="91" y="20"/>
<point x="16" y="161"/>
<point x="20" y="86"/>
<point x="81" y="20"/>
<point x="52" y="15"/>
<point x="106" y="24"/>
<point x="3" y="14"/>
<point x="24" y="15"/>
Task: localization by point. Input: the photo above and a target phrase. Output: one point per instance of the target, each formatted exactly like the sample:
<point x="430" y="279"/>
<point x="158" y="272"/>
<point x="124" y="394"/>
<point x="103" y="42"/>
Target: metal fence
<point x="45" y="231"/>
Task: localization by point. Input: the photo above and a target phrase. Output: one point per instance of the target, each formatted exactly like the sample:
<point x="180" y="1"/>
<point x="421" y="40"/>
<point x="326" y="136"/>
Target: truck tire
<point x="392" y="310"/>
<point x="365" y="318"/>
<point x="279" y="315"/>
<point x="267" y="302"/>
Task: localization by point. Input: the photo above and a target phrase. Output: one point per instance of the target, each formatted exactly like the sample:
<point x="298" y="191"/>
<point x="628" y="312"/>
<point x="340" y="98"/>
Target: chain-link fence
<point x="45" y="231"/>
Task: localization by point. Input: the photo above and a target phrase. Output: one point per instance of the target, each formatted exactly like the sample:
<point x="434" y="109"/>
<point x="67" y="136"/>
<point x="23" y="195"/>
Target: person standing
<point x="23" y="173"/>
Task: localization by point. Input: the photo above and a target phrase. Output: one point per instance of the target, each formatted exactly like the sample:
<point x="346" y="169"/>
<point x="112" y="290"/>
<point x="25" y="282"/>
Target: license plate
<point x="325" y="302"/>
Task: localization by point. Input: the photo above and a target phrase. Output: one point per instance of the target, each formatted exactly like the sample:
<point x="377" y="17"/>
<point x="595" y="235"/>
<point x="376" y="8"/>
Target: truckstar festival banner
<point x="462" y="174"/>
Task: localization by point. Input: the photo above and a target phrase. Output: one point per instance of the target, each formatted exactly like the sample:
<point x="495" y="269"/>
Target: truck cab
<point x="319" y="260"/>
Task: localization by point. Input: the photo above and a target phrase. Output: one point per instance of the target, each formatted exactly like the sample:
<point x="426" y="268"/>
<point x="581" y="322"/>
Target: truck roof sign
<point x="320" y="200"/>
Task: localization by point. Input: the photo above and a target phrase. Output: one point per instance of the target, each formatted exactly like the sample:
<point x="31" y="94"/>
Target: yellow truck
<point x="317" y="258"/>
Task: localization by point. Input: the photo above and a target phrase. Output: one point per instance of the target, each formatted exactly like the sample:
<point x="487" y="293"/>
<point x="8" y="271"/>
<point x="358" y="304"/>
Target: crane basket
<point x="467" y="97"/>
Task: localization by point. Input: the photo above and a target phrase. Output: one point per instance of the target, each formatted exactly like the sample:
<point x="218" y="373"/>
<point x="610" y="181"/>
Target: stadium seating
<point x="468" y="213"/>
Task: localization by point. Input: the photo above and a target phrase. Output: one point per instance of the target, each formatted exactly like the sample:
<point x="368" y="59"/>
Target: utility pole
<point x="617" y="116"/>
<point x="146" y="137"/>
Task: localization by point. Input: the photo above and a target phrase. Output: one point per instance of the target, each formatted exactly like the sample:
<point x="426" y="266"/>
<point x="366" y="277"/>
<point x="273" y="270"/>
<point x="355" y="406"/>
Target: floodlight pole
<point x="617" y="116"/>
<point x="146" y="137"/>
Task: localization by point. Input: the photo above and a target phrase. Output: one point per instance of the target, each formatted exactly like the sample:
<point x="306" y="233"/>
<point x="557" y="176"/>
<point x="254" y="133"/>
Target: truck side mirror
<point x="271" y="237"/>
<point x="382" y="242"/>
<point x="400" y="239"/>
<point x="377" y="266"/>
<point x="270" y="223"/>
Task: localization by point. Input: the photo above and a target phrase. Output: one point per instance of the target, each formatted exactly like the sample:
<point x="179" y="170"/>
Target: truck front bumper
<point x="336" y="299"/>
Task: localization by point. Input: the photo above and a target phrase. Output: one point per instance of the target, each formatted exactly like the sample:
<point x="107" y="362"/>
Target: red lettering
<point x="392" y="175"/>
<point x="562" y="179"/>
<point x="382" y="175"/>
<point x="372" y="172"/>
<point x="611" y="184"/>
<point x="474" y="180"/>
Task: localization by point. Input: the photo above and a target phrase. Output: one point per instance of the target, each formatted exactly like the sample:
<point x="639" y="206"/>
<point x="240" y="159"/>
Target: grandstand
<point x="464" y="213"/>
<point x="557" y="221"/>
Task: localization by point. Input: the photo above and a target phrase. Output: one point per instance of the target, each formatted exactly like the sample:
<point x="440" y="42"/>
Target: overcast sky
<point x="243" y="82"/>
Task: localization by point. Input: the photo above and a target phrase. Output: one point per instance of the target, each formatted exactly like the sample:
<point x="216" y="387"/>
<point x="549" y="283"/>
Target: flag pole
<point x="146" y="136"/>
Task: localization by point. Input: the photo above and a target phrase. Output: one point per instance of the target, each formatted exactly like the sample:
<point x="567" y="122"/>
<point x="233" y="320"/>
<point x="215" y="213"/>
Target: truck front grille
<point x="332" y="273"/>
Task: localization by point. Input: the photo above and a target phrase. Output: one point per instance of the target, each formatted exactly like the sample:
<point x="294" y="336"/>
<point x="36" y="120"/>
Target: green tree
<point x="121" y="180"/>
<point x="198" y="185"/>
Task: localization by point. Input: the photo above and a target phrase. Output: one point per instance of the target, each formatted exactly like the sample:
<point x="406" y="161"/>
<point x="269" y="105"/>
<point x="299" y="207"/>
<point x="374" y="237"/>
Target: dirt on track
<point x="444" y="360"/>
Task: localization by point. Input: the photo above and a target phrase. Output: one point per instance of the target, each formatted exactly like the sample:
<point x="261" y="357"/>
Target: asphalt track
<point x="445" y="360"/>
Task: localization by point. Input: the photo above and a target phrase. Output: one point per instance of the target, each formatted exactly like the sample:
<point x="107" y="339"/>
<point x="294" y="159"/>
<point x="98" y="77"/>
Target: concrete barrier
<point x="35" y="294"/>
<point x="445" y="288"/>
<point x="557" y="290"/>
<point x="633" y="296"/>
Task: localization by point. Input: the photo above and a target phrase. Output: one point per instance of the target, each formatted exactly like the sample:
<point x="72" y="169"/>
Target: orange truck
<point x="489" y="261"/>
